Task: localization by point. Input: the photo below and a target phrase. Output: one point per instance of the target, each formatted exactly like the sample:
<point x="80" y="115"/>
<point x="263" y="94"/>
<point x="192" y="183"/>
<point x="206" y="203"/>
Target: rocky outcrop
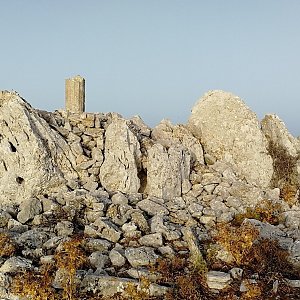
<point x="230" y="131"/>
<point x="33" y="157"/>
<point x="122" y="197"/>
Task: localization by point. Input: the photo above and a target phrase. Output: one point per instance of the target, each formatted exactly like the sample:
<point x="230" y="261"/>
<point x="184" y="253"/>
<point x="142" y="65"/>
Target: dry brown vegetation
<point x="262" y="259"/>
<point x="284" y="165"/>
<point x="7" y="246"/>
<point x="132" y="292"/>
<point x="35" y="285"/>
<point x="265" y="211"/>
<point x="38" y="285"/>
<point x="289" y="193"/>
<point x="186" y="281"/>
<point x="285" y="174"/>
<point x="70" y="258"/>
<point x="263" y="262"/>
<point x="237" y="240"/>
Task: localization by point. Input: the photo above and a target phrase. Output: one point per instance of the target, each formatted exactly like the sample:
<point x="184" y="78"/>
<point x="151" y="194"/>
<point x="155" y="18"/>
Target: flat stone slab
<point x="218" y="280"/>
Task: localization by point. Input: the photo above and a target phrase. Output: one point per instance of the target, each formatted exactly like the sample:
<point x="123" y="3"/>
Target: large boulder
<point x="230" y="131"/>
<point x="34" y="158"/>
<point x="119" y="171"/>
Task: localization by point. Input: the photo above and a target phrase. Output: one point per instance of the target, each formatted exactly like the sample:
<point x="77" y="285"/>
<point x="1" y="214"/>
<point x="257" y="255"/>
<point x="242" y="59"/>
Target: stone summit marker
<point x="75" y="94"/>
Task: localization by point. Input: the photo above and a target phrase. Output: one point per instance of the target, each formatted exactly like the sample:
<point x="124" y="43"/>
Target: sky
<point x="154" y="58"/>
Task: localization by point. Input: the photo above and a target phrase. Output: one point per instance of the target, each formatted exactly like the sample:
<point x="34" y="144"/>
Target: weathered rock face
<point x="173" y="135"/>
<point x="167" y="171"/>
<point x="229" y="131"/>
<point x="119" y="171"/>
<point x="33" y="157"/>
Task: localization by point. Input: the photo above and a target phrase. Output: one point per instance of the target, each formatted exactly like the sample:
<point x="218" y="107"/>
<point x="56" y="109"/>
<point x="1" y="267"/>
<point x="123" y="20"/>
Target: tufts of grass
<point x="187" y="280"/>
<point x="254" y="291"/>
<point x="267" y="257"/>
<point x="262" y="258"/>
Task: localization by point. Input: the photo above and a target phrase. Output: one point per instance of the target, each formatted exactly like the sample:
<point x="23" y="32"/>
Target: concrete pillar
<point x="75" y="94"/>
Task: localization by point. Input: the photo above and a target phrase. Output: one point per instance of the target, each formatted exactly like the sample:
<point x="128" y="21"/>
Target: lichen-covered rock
<point x="108" y="230"/>
<point x="98" y="260"/>
<point x="108" y="286"/>
<point x="142" y="256"/>
<point x="271" y="232"/>
<point x="64" y="228"/>
<point x="230" y="131"/>
<point x="32" y="239"/>
<point x="119" y="171"/>
<point x="152" y="208"/>
<point x="116" y="258"/>
<point x="154" y="240"/>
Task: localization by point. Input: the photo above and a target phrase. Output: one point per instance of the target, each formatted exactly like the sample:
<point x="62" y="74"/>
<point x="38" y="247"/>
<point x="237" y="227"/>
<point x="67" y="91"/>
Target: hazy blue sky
<point x="154" y="58"/>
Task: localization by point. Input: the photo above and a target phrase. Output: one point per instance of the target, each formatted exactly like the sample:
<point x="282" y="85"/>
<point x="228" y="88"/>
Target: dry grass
<point x="7" y="246"/>
<point x="285" y="167"/>
<point x="237" y="240"/>
<point x="186" y="279"/>
<point x="70" y="258"/>
<point x="254" y="291"/>
<point x="38" y="285"/>
<point x="265" y="211"/>
<point x="137" y="292"/>
<point x="289" y="193"/>
<point x="260" y="257"/>
<point x="35" y="286"/>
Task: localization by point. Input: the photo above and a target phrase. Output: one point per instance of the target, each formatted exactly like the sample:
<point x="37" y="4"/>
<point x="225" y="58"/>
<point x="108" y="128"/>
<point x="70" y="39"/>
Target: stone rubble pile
<point x="136" y="194"/>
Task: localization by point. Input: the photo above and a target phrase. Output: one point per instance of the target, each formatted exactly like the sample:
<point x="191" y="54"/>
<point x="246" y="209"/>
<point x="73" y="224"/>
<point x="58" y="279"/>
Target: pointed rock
<point x="119" y="171"/>
<point x="33" y="156"/>
<point x="284" y="149"/>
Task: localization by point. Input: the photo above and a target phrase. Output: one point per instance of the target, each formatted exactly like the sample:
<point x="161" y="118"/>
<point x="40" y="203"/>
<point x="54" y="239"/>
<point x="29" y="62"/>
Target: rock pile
<point x="136" y="194"/>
